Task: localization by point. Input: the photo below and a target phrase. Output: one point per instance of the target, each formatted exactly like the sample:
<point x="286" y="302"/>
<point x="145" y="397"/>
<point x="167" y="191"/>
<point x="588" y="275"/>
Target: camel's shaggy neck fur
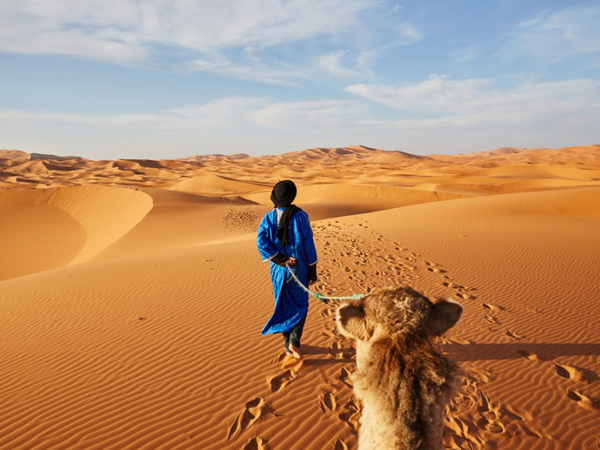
<point x="402" y="380"/>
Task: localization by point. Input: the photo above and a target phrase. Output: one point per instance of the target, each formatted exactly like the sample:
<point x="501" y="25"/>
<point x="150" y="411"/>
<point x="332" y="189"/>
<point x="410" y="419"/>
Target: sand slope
<point x="131" y="316"/>
<point x="54" y="227"/>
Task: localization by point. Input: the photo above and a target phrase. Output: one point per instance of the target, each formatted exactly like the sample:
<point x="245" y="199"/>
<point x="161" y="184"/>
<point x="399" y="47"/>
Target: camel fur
<point x="402" y="379"/>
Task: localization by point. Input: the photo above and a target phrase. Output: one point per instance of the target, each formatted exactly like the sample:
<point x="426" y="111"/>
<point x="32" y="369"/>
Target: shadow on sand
<point x="332" y="355"/>
<point x="474" y="351"/>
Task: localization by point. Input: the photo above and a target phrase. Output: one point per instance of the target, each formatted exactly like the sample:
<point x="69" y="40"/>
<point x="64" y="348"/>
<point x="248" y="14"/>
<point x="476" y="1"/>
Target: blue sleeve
<point x="265" y="246"/>
<point x="308" y="241"/>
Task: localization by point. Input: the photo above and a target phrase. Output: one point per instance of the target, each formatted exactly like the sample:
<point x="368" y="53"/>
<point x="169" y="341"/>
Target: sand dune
<point x="55" y="227"/>
<point x="217" y="184"/>
<point x="132" y="295"/>
<point x="337" y="199"/>
<point x="14" y="155"/>
<point x="180" y="219"/>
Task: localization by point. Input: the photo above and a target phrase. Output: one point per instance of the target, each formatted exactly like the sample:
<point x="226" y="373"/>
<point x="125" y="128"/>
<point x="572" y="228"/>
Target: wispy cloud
<point x="436" y="94"/>
<point x="435" y="102"/>
<point x="269" y="41"/>
<point x="556" y="36"/>
<point x="309" y="115"/>
<point x="227" y="124"/>
<point x="336" y="65"/>
<point x="455" y="115"/>
<point x="407" y="34"/>
<point x="225" y="112"/>
<point x="20" y="116"/>
<point x="211" y="116"/>
<point x="124" y="31"/>
<point x="463" y="55"/>
<point x="395" y="8"/>
<point x="220" y="113"/>
<point x="333" y="64"/>
<point x="253" y="70"/>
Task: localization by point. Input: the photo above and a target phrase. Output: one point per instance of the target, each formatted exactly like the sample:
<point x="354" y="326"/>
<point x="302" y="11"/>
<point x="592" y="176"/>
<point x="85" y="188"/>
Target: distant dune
<point x="132" y="295"/>
<point x="317" y="165"/>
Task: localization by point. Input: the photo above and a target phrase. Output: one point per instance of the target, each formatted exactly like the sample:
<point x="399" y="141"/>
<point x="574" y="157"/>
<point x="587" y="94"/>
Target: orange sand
<point x="132" y="296"/>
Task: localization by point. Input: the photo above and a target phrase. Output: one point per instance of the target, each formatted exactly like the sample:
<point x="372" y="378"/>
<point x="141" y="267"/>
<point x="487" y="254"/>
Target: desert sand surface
<point x="132" y="296"/>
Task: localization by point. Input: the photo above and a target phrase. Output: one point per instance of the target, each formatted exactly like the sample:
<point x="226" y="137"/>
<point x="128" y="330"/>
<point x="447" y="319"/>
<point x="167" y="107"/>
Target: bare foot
<point x="296" y="352"/>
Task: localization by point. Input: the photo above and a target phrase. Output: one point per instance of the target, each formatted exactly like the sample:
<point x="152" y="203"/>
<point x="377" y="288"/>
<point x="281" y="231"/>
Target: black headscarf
<point x="283" y="195"/>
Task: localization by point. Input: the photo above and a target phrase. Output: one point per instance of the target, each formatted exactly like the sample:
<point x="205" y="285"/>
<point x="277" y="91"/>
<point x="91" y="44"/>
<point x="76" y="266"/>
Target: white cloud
<point x="254" y="71"/>
<point x="396" y="7"/>
<point x="19" y="116"/>
<point x="479" y="100"/>
<point x="407" y="34"/>
<point x="309" y="115"/>
<point x="218" y="113"/>
<point x="462" y="55"/>
<point x="284" y="74"/>
<point x="125" y="30"/>
<point x="230" y="124"/>
<point x="433" y="95"/>
<point x="332" y="63"/>
<point x="269" y="41"/>
<point x="221" y="113"/>
<point x="557" y="36"/>
<point x="471" y="114"/>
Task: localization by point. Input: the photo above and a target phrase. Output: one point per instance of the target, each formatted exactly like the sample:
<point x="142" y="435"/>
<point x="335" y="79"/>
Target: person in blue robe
<point x="285" y="236"/>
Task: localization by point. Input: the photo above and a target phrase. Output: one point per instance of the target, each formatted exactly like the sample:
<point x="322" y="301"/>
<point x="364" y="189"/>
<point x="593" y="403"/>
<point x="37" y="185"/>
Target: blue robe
<point x="291" y="302"/>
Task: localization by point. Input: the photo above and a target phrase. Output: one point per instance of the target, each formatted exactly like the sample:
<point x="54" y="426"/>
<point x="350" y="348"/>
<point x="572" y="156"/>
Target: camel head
<point x="398" y="313"/>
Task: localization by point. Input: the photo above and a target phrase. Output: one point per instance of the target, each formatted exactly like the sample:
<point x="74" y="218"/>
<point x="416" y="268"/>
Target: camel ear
<point x="444" y="316"/>
<point x="351" y="321"/>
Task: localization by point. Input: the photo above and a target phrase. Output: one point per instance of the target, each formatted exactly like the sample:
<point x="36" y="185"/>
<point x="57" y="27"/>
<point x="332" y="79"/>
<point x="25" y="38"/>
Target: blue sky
<point x="172" y="78"/>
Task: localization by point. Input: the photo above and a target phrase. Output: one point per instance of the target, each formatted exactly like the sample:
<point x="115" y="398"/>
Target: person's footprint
<point x="514" y="335"/>
<point x="530" y="356"/>
<point x="327" y="312"/>
<point x="346" y="378"/>
<point x="348" y="353"/>
<point x="256" y="443"/>
<point x="327" y="401"/>
<point x="340" y="445"/>
<point x="253" y="410"/>
<point x="350" y="410"/>
<point x="289" y="362"/>
<point x="585" y="401"/>
<point x="495" y="427"/>
<point x="490" y="307"/>
<point x="335" y="350"/>
<point x="575" y="373"/>
<point x="280" y="381"/>
<point x="329" y="333"/>
<point x="491" y="319"/>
